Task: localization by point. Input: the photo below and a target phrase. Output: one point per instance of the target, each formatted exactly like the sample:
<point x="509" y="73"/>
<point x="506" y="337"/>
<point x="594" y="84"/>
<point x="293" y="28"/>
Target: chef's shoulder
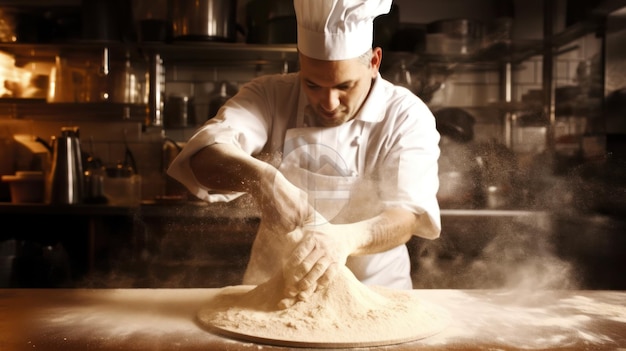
<point x="273" y="83"/>
<point x="401" y="102"/>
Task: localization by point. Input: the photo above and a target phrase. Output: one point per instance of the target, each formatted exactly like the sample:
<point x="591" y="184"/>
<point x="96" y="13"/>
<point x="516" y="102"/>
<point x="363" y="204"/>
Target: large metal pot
<point x="454" y="36"/>
<point x="213" y="20"/>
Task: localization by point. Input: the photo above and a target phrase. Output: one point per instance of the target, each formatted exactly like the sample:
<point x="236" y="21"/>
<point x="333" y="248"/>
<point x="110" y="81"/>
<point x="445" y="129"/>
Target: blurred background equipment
<point x="204" y="20"/>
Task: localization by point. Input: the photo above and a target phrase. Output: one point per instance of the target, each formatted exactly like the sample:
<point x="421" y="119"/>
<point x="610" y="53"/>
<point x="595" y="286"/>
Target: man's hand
<point x="316" y="259"/>
<point x="283" y="205"/>
<point x="226" y="167"/>
<point x="324" y="247"/>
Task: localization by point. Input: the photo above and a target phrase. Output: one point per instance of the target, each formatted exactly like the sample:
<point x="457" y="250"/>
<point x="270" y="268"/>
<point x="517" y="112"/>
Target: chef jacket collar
<point x="373" y="109"/>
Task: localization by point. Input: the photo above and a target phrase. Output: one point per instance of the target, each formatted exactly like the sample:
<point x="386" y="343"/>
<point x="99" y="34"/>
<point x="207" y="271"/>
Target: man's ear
<point x="377" y="59"/>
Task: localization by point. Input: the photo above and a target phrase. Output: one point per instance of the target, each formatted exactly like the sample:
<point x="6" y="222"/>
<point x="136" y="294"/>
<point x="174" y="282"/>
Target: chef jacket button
<point x="356" y="141"/>
<point x="354" y="173"/>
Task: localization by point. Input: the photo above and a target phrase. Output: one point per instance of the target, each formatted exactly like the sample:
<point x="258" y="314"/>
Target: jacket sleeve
<point x="243" y="121"/>
<point x="409" y="167"/>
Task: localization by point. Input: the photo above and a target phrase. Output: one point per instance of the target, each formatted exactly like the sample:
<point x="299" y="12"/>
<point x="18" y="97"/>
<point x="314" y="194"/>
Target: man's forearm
<point x="227" y="168"/>
<point x="383" y="232"/>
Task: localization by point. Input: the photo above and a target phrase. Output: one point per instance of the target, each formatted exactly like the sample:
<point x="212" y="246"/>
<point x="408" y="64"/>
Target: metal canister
<point x="66" y="181"/>
<point x="214" y="20"/>
<point x="179" y="111"/>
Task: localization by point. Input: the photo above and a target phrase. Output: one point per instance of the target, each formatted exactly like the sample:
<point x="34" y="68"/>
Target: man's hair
<point x="366" y="57"/>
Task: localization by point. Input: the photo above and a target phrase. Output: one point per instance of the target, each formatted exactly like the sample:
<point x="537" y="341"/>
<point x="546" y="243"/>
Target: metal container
<point x="65" y="184"/>
<point x="127" y="84"/>
<point x="179" y="111"/>
<point x="454" y="36"/>
<point x="212" y="20"/>
<point x="121" y="186"/>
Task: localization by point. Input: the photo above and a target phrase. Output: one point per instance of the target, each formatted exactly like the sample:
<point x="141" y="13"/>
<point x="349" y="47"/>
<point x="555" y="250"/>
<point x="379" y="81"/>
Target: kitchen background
<point x="528" y="95"/>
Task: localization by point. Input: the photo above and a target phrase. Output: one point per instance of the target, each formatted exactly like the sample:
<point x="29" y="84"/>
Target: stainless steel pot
<point x="212" y="20"/>
<point x="454" y="36"/>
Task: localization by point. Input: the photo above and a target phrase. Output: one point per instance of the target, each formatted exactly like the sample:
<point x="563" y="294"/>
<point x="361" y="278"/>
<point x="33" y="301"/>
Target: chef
<point x="333" y="152"/>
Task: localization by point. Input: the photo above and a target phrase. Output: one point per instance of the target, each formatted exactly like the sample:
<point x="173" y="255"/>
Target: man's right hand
<point x="283" y="205"/>
<point x="226" y="167"/>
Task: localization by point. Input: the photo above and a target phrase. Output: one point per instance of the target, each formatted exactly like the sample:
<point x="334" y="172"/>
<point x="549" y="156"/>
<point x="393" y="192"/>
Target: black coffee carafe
<point x="65" y="183"/>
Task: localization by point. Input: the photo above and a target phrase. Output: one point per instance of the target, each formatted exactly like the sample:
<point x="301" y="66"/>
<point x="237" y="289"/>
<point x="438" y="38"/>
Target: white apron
<point x="324" y="162"/>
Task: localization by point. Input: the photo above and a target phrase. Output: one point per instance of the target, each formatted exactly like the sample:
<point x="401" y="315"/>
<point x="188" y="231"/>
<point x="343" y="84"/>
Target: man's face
<point x="336" y="89"/>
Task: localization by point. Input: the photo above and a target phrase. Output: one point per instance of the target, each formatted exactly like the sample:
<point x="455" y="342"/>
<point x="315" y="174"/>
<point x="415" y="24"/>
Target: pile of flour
<point x="345" y="313"/>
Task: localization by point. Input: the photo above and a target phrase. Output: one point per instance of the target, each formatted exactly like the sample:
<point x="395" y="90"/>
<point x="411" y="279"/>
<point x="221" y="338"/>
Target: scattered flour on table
<point x="345" y="312"/>
<point x="587" y="305"/>
<point x="525" y="320"/>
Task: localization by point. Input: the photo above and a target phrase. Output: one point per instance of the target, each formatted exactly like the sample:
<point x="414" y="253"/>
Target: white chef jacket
<point x="387" y="155"/>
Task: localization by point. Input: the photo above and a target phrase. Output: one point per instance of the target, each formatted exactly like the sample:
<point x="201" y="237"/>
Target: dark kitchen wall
<point x="615" y="84"/>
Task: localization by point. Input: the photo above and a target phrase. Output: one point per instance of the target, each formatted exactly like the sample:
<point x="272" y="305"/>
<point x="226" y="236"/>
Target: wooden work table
<point x="164" y="319"/>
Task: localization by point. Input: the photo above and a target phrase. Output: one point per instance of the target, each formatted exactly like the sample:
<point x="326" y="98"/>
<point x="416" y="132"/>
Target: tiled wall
<point x="576" y="54"/>
<point x="203" y="82"/>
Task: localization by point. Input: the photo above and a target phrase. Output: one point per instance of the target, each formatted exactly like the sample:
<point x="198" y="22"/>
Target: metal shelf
<point x="193" y="51"/>
<point x="176" y="52"/>
<point x="39" y="109"/>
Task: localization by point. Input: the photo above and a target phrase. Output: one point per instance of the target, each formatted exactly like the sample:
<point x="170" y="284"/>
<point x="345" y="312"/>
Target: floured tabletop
<point x="164" y="319"/>
<point x="343" y="314"/>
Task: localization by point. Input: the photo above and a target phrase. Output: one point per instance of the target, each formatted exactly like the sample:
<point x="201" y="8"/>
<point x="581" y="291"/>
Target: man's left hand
<point x="315" y="259"/>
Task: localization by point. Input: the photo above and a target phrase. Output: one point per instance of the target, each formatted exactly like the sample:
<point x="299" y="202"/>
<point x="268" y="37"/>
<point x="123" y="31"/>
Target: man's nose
<point x="329" y="100"/>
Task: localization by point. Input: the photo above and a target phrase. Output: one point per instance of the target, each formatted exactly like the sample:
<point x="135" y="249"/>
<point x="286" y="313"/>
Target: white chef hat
<point x="337" y="29"/>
